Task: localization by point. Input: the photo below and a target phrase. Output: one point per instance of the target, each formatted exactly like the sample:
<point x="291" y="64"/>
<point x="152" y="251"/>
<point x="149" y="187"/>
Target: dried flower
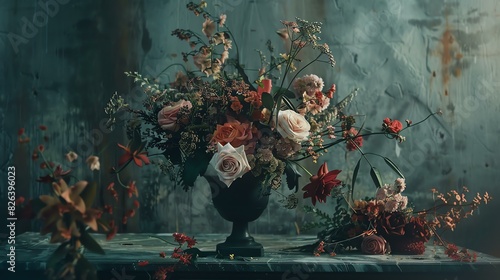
<point x="93" y="162"/>
<point x="208" y="27"/>
<point x="222" y="19"/>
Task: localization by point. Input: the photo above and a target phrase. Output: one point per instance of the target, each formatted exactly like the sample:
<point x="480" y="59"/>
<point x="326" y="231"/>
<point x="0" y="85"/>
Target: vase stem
<point x="240" y="231"/>
<point x="240" y="242"/>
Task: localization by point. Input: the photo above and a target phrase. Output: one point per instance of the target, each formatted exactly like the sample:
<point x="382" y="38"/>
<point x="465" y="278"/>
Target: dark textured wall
<point x="407" y="57"/>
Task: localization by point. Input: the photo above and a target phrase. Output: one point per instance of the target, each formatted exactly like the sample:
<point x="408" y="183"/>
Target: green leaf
<point x="89" y="242"/>
<point x="194" y="166"/>
<point x="136" y="141"/>
<point x="289" y="103"/>
<point x="292" y="175"/>
<point x="88" y="194"/>
<point x="267" y="101"/>
<point x="174" y="154"/>
<point x="283" y="91"/>
<point x="394" y="167"/>
<point x="276" y="114"/>
<point x="354" y="176"/>
<point x="85" y="269"/>
<point x="376" y="177"/>
<point x="57" y="256"/>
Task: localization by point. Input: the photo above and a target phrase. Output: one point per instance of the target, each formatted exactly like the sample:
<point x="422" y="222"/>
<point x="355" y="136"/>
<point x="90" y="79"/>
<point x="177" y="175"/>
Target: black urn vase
<point x="242" y="202"/>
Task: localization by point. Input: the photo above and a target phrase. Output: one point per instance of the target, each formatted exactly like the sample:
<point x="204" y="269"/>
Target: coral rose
<point x="392" y="126"/>
<point x="293" y="126"/>
<point x="230" y="163"/>
<point x="168" y="116"/>
<point x="233" y="132"/>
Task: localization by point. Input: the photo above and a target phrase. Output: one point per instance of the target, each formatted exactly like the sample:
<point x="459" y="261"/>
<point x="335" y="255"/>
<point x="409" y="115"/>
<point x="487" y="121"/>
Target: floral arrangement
<point x="68" y="213"/>
<point x="213" y="120"/>
<point x="386" y="223"/>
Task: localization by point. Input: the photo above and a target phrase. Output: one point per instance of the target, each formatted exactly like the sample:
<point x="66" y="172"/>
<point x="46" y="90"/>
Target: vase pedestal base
<point x="242" y="247"/>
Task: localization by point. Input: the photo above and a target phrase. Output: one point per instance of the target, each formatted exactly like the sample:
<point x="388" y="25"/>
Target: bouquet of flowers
<point x="215" y="117"/>
<point x="386" y="223"/>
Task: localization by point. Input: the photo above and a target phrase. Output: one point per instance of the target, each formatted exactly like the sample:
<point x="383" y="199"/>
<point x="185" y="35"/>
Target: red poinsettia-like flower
<point x="392" y="126"/>
<point x="321" y="184"/>
<point x="138" y="156"/>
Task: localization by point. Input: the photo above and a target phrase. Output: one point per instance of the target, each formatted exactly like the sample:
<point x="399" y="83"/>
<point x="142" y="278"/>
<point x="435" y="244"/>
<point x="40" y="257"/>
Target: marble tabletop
<point x="125" y="251"/>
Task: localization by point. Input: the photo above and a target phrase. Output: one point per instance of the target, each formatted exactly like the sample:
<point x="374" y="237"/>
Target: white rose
<point x="293" y="126"/>
<point x="230" y="163"/>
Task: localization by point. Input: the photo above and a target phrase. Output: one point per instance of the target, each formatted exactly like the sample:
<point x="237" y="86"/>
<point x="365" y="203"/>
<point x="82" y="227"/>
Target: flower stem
<point x="303" y="168"/>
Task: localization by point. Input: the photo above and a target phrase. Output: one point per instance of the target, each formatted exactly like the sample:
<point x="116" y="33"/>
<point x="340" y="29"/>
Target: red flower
<point x="111" y="234"/>
<point x="108" y="209"/>
<point x="331" y="91"/>
<point x="130" y="213"/>
<point x="20" y="131"/>
<point x="392" y="126"/>
<point x="54" y="177"/>
<point x="320" y="249"/>
<point x="143" y="263"/>
<point x="137" y="156"/>
<point x="136" y="204"/>
<point x="132" y="189"/>
<point x="161" y="273"/>
<point x="42" y="127"/>
<point x="19" y="200"/>
<point x="321" y="184"/>
<point x="181" y="238"/>
<point x="185" y="258"/>
<point x="353" y="141"/>
<point x="112" y="190"/>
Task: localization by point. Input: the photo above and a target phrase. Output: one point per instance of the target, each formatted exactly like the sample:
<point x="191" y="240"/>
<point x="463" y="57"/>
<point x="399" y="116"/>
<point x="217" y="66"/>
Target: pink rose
<point x="230" y="163"/>
<point x="167" y="117"/>
<point x="293" y="126"/>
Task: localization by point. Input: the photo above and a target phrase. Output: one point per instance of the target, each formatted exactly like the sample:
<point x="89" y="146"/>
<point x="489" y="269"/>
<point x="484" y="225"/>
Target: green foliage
<point x="84" y="267"/>
<point x="325" y="219"/>
<point x="195" y="166"/>
<point x="292" y="175"/>
<point x="286" y="92"/>
<point x="267" y="101"/>
<point x="89" y="242"/>
<point x="394" y="167"/>
<point x="58" y="255"/>
<point x="377" y="179"/>
<point x="354" y="176"/>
